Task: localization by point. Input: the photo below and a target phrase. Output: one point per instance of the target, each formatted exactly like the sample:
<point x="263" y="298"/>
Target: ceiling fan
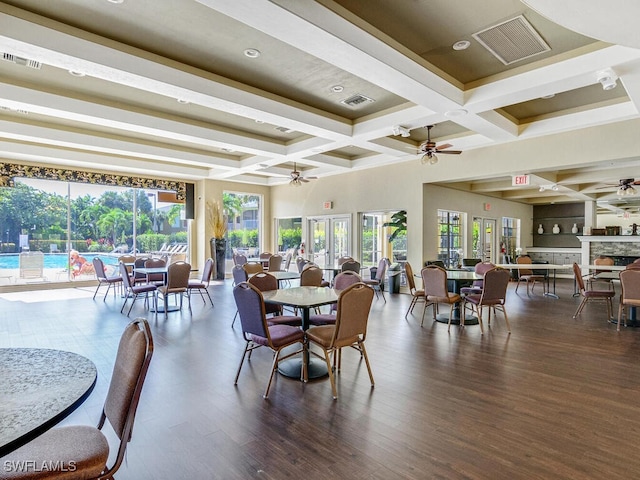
<point x="429" y="149"/>
<point x="297" y="179"/>
<point x="625" y="186"/>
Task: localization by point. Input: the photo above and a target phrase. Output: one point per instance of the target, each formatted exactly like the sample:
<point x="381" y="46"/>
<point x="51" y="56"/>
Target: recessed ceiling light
<point x="115" y="1"/>
<point x="259" y="121"/>
<point x="456" y="113"/>
<point x="461" y="45"/>
<point x="337" y="88"/>
<point x="182" y="101"/>
<point x="252" y="53"/>
<point x="77" y="73"/>
<point x="547" y="97"/>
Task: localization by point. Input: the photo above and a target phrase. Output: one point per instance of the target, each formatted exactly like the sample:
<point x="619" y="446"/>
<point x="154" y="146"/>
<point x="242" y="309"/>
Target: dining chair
<point x="493" y="296"/>
<point x="239" y="275"/>
<point x="264" y="259"/>
<point x="275" y="263"/>
<point x="84" y="447"/>
<point x="202" y="284"/>
<point x="344" y="258"/>
<point x="340" y="282"/>
<point x="253" y="267"/>
<point x="133" y="291"/>
<point x="417" y="294"/>
<point x="349" y="330"/>
<point x="177" y="285"/>
<point x="258" y="333"/>
<point x="604" y="261"/>
<point x="630" y="295"/>
<point x="155" y="278"/>
<point x="311" y="276"/>
<point x="377" y="282"/>
<point x="591" y="295"/>
<point x="137" y="276"/>
<point x="476" y="287"/>
<point x="436" y="291"/>
<point x="104" y="279"/>
<point x="301" y="262"/>
<point x="265" y="282"/>
<point x="129" y="261"/>
<point x="351" y="265"/>
<point x="528" y="276"/>
<point x="239" y="259"/>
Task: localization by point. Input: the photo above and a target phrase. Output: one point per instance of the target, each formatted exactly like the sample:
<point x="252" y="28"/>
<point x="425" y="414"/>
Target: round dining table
<point x="39" y="388"/>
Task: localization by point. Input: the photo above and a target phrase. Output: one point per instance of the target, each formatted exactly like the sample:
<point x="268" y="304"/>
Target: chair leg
<point x="363" y="351"/>
<point x="331" y="375"/>
<point x="620" y="316"/>
<point x="274" y="366"/>
<point x="234" y="319"/>
<point x="580" y="307"/>
<point x="479" y="312"/>
<point x="244" y="354"/>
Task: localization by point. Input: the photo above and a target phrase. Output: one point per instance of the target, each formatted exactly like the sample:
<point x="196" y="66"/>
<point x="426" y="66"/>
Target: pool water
<point x="53" y="260"/>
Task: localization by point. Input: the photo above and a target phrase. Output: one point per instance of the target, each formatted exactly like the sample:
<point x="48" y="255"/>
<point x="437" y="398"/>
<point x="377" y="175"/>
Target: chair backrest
<point x="253" y="267"/>
<point x="495" y="285"/>
<point x="207" y="271"/>
<point x="346" y="279"/>
<point x="630" y="281"/>
<point x="382" y="268"/>
<point x="435" y="281"/>
<point x="124" y="273"/>
<point x="139" y="263"/>
<point x="577" y="273"/>
<point x="155" y="263"/>
<point x="265" y="255"/>
<point x="275" y="263"/>
<point x="239" y="259"/>
<point x="129" y="372"/>
<point x="483" y="267"/>
<point x="130" y="259"/>
<point x="352" y="314"/>
<point x="343" y="259"/>
<point x="524" y="260"/>
<point x="264" y="281"/>
<point x="408" y="271"/>
<point x="250" y="305"/>
<point x="602" y="260"/>
<point x="98" y="266"/>
<point x="178" y="276"/>
<point x="239" y="274"/>
<point x="350" y="265"/>
<point x="287" y="261"/>
<point x="311" y="276"/>
<point x="300" y="263"/>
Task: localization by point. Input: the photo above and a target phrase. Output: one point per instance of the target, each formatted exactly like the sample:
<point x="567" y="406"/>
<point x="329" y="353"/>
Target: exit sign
<point x="518" y="180"/>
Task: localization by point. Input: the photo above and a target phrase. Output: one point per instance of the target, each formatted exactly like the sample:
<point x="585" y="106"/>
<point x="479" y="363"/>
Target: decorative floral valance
<point x="10" y="170"/>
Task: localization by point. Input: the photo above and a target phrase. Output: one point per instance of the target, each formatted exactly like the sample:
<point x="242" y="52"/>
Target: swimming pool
<point x="54" y="260"/>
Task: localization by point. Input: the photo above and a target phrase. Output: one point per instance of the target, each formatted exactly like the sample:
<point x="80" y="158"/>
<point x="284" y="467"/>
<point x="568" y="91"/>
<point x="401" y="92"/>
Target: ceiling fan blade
<point x="443" y="146"/>
<point x="450" y="152"/>
<point x="311" y="178"/>
<point x="302" y="179"/>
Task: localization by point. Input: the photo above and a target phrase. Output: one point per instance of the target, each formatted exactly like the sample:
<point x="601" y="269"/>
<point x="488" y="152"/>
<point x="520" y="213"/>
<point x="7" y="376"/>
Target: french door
<point x="329" y="239"/>
<point x="484" y="239"/>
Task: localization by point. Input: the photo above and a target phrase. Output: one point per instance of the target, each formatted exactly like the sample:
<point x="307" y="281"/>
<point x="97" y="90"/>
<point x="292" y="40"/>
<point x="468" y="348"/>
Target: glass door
<point x="329" y="239"/>
<point x="484" y="239"/>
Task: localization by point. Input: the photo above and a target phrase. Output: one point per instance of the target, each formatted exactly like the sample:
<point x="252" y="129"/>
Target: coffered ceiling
<point x="239" y="90"/>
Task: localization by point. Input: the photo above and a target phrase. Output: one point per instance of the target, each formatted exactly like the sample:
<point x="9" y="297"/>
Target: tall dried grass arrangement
<point x="216" y="219"/>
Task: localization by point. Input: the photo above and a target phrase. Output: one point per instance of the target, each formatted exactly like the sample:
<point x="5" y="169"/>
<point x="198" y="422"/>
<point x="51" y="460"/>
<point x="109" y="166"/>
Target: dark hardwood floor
<point x="556" y="399"/>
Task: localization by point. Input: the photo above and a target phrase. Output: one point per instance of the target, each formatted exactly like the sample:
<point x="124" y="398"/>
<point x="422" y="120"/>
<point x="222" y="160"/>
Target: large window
<point x="383" y="234"/>
<point x="243" y="214"/>
<point x="44" y="221"/>
<point x="288" y="234"/>
<point x="450" y="246"/>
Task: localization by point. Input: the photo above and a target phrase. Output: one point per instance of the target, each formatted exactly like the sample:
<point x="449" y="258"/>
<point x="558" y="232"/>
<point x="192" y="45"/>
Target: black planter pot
<point x="218" y="251"/>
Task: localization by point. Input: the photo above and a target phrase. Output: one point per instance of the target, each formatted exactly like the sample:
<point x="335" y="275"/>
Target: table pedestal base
<point x="292" y="368"/>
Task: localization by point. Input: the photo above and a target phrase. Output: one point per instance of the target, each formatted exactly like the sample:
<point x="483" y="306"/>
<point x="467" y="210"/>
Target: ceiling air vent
<point x="285" y="129"/>
<point x="357" y="99"/>
<point x="512" y="41"/>
<point x="21" y="61"/>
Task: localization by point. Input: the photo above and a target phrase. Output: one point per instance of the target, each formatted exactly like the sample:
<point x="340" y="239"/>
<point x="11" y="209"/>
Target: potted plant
<point x="217" y="221"/>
